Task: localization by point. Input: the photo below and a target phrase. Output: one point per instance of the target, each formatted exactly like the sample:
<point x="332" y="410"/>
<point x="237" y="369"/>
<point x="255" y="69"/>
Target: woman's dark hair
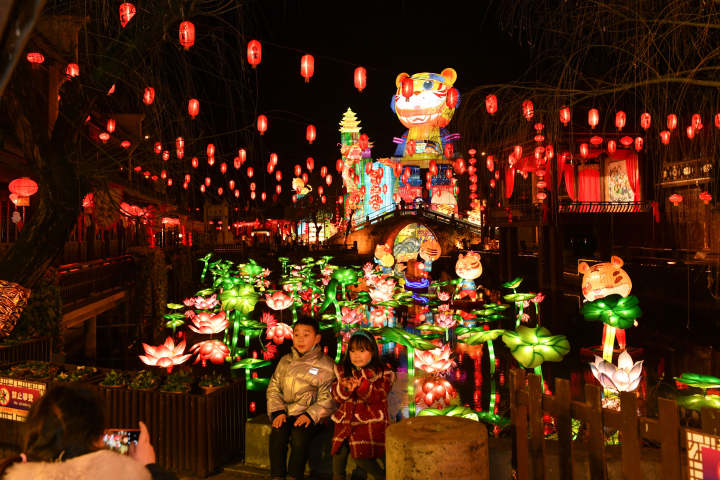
<point x="362" y="340"/>
<point x="309" y="321"/>
<point x="64" y="423"/>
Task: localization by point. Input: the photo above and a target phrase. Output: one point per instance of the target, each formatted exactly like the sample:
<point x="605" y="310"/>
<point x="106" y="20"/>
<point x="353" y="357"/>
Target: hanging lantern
<point x="638" y="143"/>
<point x="223" y="168"/>
<point x="253" y="195"/>
<point x="211" y="161"/>
<point x="307" y="67"/>
<point x="528" y="110"/>
<point x="127" y="12"/>
<point x="72" y="70"/>
<point x="304" y="177"/>
<point x="254" y="53"/>
<point x="339" y="165"/>
<point x="125" y="144"/>
<point x="449" y="173"/>
<point x="511" y="161"/>
<point x="518" y="151"/>
<point x="645" y="120"/>
<point x="298" y="170"/>
<point x="220" y="191"/>
<point x="690" y="132"/>
<point x="252" y="186"/>
<point x="194" y="162"/>
<point x="320" y="190"/>
<point x="231" y="184"/>
<point x="104" y="136"/>
<point x="584" y="150"/>
<point x="565" y="115"/>
<point x="35" y="58"/>
<point x="433" y="168"/>
<point x="236" y="163"/>
<point x="278" y="175"/>
<point x="593" y="117"/>
<point x="407" y="88"/>
<point x="541" y="196"/>
<point x="611" y="146"/>
<point x="208" y="181"/>
<point x="262" y="124"/>
<point x="158" y="148"/>
<point x="596" y="141"/>
<point x="294" y="198"/>
<point x="187" y="35"/>
<point x="278" y="188"/>
<point x="705" y="197"/>
<point x="310" y="164"/>
<point x="111" y="90"/>
<point x="23" y="188"/>
<point x="237" y="193"/>
<point x="363" y="141"/>
<point x="202" y="188"/>
<point x="620" y="119"/>
<point x="270" y="168"/>
<point x="148" y="96"/>
<point x="717" y="120"/>
<point x="665" y="137"/>
<point x="626" y="141"/>
<point x="242" y="155"/>
<point x="539" y="153"/>
<point x="323" y="199"/>
<point x="360" y="78"/>
<point x="492" y="183"/>
<point x="185" y="186"/>
<point x="448" y="150"/>
<point x="675" y="199"/>
<point x="187" y="178"/>
<point x="210" y="150"/>
<point x="163" y="174"/>
<point x="193" y="107"/>
<point x="310" y="134"/>
<point x="696" y="121"/>
<point x="671" y="122"/>
<point x="110" y="127"/>
<point x="341" y="200"/>
<point x="451" y="100"/>
<point x="328" y="179"/>
<point x="274" y="158"/>
<point x="250" y="172"/>
<point x="541" y="184"/>
<point x="263" y="196"/>
<point x="169" y="182"/>
<point x="490" y="163"/>
<point x="323" y="171"/>
<point x="549" y="152"/>
<point x="539" y="138"/>
<point x="179" y="143"/>
<point x="491" y="104"/>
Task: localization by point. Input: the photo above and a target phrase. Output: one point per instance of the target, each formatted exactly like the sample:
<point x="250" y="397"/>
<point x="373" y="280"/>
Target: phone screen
<point x="119" y="439"/>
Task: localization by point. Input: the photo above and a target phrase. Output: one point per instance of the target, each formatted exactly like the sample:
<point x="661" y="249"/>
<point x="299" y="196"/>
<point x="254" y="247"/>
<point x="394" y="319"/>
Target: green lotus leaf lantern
<point x="518" y="297"/>
<point x="455" y="411"/>
<point x="513" y="284"/>
<point x="698" y="380"/>
<point x="613" y="310"/>
<point x="241" y="298"/>
<point x="533" y="346"/>
<point x="478" y="337"/>
<point x="175" y="306"/>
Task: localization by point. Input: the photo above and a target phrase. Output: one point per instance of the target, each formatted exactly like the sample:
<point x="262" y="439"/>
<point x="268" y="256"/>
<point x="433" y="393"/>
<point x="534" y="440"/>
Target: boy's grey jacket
<point x="301" y="384"/>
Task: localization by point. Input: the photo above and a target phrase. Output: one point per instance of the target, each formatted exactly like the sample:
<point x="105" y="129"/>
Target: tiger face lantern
<point x="603" y="279"/>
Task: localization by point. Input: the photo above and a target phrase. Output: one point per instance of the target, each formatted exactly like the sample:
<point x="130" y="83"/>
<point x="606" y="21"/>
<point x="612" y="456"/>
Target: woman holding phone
<point x="64" y="439"/>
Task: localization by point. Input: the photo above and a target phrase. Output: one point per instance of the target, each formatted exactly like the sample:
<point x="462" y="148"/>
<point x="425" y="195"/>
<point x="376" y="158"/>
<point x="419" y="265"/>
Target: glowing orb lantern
<point x="194" y="162"/>
<point x="638" y="143"/>
<point x="671" y="122"/>
<point x="360" y="78"/>
<point x="250" y="172"/>
<point x="254" y="53"/>
<point x="223" y="168"/>
<point x="148" y="96"/>
<point x="645" y="120"/>
<point x="665" y="137"/>
<point x="675" y="199"/>
<point x="307" y="67"/>
<point x="451" y="100"/>
<point x="23" y="188"/>
<point x="187" y="35"/>
<point x="110" y="126"/>
<point x="310" y="164"/>
<point x="127" y="12"/>
<point x="193" y="107"/>
<point x="690" y="132"/>
<point x="262" y="124"/>
<point x="207" y="181"/>
<point x="72" y="70"/>
<point x="278" y="175"/>
<point x="528" y="110"/>
<point x="491" y="104"/>
<point x="593" y="117"/>
<point x="705" y="197"/>
<point x="565" y="115"/>
<point x="611" y="146"/>
<point x="584" y="150"/>
<point x="35" y="58"/>
<point x="328" y="179"/>
<point x="179" y="143"/>
<point x="310" y="133"/>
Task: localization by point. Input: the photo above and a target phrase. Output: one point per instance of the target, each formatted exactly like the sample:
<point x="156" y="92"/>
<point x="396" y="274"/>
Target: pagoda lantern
<point x="310" y="164"/>
<point x="158" y="148"/>
<point x="242" y="155"/>
<point x="278" y="188"/>
<point x="360" y="78"/>
<point x="323" y="171"/>
<point x="611" y="146"/>
<point x="565" y="115"/>
<point x="35" y="58"/>
<point x="593" y="117"/>
<point x="339" y="165"/>
<point x="645" y="120"/>
<point x="194" y="162"/>
<point x="274" y="158"/>
<point x="208" y="181"/>
<point x="491" y="104"/>
<point x="528" y="110"/>
<point x="231" y="184"/>
<point x="671" y="122"/>
<point x="110" y="126"/>
<point x="451" y="100"/>
<point x="690" y="132"/>
<point x="72" y="70"/>
<point x="298" y="170"/>
<point x="223" y="168"/>
<point x="254" y="53"/>
<point x="307" y="67"/>
<point x="407" y="87"/>
<point x="127" y="12"/>
<point x="328" y="179"/>
<point x="148" y="96"/>
<point x="187" y="35"/>
<point x="250" y="172"/>
<point x="638" y="143"/>
<point x="193" y="107"/>
<point x="620" y="119"/>
<point x="665" y="137"/>
<point x="310" y="133"/>
<point x="262" y="124"/>
<point x="278" y="175"/>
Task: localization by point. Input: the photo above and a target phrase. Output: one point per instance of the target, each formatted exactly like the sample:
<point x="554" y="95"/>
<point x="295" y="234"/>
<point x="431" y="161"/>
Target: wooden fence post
<point x="669" y="422"/>
<point x="596" y="437"/>
<point x="564" y="426"/>
<point x="537" y="433"/>
<point x="629" y="436"/>
<point x="519" y="418"/>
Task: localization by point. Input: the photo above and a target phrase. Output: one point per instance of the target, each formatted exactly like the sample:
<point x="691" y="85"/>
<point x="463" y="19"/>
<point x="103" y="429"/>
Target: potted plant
<point x="41" y="371"/>
<point x="211" y="382"/>
<point x="144" y="380"/>
<point x="177" y="382"/>
<point x="78" y="374"/>
<point x="114" y="379"/>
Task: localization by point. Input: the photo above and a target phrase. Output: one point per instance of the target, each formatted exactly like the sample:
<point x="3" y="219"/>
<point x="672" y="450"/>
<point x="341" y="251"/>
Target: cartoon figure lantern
<point x="429" y="251"/>
<point x="468" y="267"/>
<point x="384" y="257"/>
<point x="604" y="279"/>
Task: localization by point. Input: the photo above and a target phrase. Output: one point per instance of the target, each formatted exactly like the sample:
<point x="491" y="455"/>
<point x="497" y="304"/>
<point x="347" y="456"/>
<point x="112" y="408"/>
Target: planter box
<point x="34" y="349"/>
<point x="191" y="433"/>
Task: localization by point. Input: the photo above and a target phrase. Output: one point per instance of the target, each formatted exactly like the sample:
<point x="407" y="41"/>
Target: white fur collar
<point x="100" y="464"/>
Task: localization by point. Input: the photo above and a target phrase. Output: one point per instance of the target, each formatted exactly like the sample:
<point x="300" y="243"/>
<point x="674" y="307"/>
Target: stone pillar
<point x="437" y="447"/>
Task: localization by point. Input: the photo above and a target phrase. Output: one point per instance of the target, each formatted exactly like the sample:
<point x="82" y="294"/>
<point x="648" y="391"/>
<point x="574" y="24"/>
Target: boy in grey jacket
<point x="298" y="397"/>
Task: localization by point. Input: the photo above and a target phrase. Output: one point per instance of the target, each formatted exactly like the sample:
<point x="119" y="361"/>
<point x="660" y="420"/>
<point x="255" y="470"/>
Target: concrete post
<point x="437" y="447"/>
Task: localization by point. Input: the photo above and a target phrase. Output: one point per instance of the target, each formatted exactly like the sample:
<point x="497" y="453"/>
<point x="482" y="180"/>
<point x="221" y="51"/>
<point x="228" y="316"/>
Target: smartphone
<point x="120" y="439"/>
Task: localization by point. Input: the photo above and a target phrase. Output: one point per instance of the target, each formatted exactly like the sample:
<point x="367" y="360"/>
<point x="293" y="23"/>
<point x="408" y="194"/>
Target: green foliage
<point x="478" y="336"/>
<point x="144" y="380"/>
<point x="455" y="411"/>
<point x="398" y="335"/>
<point x="613" y="310"/>
<point x="114" y="378"/>
<point x="213" y="380"/>
<point x="533" y="346"/>
<point x="698" y="380"/>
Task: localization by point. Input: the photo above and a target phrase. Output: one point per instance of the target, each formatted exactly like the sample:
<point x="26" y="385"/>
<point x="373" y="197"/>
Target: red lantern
<point x="187" y="178"/>
<point x="410" y="147"/>
<point x="490" y="163"/>
<point x="202" y="188"/>
<point x="104" y="136"/>
<point x="407" y="87"/>
<point x="237" y="193"/>
<point x="23" y="187"/>
<point x="263" y="196"/>
<point x="254" y="53"/>
<point x="541" y="184"/>
<point x="671" y="122"/>
<point x="273" y="159"/>
<point x="705" y="197"/>
<point x="310" y="133"/>
<point x="194" y="162"/>
<point x="36" y="58"/>
<point x="250" y="172"/>
<point x="638" y="143"/>
<point x="310" y="164"/>
<point x="320" y="190"/>
<point x="433" y="168"/>
<point x="193" y="107"/>
<point x="252" y="195"/>
<point x="158" y="148"/>
<point x="323" y="199"/>
<point x="492" y="183"/>
<point x="518" y="151"/>
<point x="148" y="96"/>
<point x="242" y="155"/>
<point x="208" y="181"/>
<point x="323" y="171"/>
<point x="211" y="161"/>
<point x="163" y="174"/>
<point x="541" y="196"/>
<point x="696" y="121"/>
<point x="690" y="132"/>
<point x="717" y="120"/>
<point x="626" y="141"/>
<point x="220" y="191"/>
<point x="339" y="165"/>
<point x="294" y="198"/>
<point x="262" y="124"/>
<point x="565" y="115"/>
<point x="595" y="140"/>
<point x="360" y="78"/>
<point x="223" y="168"/>
<point x="363" y="141"/>
<point x="448" y="150"/>
<point x="169" y="182"/>
<point x="231" y="184"/>
<point x="298" y="170"/>
<point x="187" y="35"/>
<point x="620" y="119"/>
<point x="528" y="110"/>
<point x="252" y="186"/>
<point x="593" y="117"/>
<point x="210" y="150"/>
<point x="491" y="104"/>
<point x="127" y="12"/>
<point x="328" y="179"/>
<point x="125" y="144"/>
<point x="665" y="137"/>
<point x="645" y="120"/>
<point x="307" y="67"/>
<point x="611" y="146"/>
<point x="451" y="100"/>
<point x="72" y="70"/>
<point x="110" y="127"/>
<point x="278" y="175"/>
<point x="584" y="150"/>
<point x="675" y="199"/>
<point x="549" y="152"/>
<point x="304" y="177"/>
<point x="179" y="143"/>
<point x="278" y="188"/>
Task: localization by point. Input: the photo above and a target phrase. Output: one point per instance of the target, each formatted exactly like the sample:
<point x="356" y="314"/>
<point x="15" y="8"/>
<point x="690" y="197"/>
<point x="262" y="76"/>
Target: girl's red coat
<point x="362" y="415"/>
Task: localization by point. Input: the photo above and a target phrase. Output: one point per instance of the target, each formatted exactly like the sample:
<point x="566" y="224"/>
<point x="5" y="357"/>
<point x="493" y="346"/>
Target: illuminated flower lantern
<point x="625" y="377"/>
<point x="24" y="188"/>
<point x="262" y="124"/>
<point x="254" y="53"/>
<point x="193" y="107"/>
<point x="278" y="301"/>
<point x="279" y="332"/>
<point x="434" y="392"/>
<point x="166" y="355"/>
<point x="491" y="104"/>
<point x="310" y="133"/>
<point x="187" y="35"/>
<point x="307" y="67"/>
<point x="593" y="117"/>
<point x="127" y="12"/>
<point x="148" y="96"/>
<point x="214" y="351"/>
<point x="360" y="78"/>
<point x="209" y="323"/>
<point x="468" y="267"/>
<point x="434" y="361"/>
<point x="565" y="115"/>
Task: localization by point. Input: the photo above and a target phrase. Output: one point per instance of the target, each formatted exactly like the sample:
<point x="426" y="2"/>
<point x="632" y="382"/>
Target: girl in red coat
<point x="361" y="391"/>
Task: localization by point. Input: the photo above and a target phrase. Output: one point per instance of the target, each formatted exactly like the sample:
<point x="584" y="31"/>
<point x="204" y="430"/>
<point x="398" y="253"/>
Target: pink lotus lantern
<point x="214" y="351"/>
<point x="433" y="392"/>
<point x="278" y="301"/>
<point x="208" y="323"/>
<point x="166" y="355"/>
<point x="383" y="290"/>
<point x="279" y="333"/>
<point x="352" y="316"/>
<point x="434" y="361"/>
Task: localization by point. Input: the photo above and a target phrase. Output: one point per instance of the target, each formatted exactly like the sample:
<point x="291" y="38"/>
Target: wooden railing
<point x="80" y="280"/>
